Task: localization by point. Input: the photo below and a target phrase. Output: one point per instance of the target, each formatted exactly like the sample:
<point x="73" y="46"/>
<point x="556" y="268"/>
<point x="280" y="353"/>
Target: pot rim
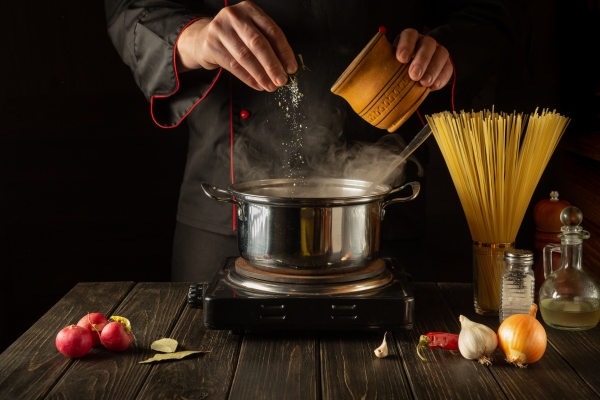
<point x="250" y="191"/>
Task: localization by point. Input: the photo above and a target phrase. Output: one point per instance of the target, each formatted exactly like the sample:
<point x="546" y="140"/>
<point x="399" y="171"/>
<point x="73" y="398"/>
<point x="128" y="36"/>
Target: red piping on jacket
<point x="453" y="81"/>
<point x="162" y="96"/>
<point x="231" y="169"/>
<point x="231" y="166"/>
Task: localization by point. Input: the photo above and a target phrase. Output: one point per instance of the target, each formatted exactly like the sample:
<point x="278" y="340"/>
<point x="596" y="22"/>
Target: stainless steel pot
<point x="309" y="226"/>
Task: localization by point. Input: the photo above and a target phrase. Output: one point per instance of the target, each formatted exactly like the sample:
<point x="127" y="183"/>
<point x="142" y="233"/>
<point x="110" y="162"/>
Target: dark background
<point x="89" y="184"/>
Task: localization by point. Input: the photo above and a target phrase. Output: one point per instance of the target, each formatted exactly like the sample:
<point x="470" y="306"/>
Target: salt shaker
<point x="517" y="288"/>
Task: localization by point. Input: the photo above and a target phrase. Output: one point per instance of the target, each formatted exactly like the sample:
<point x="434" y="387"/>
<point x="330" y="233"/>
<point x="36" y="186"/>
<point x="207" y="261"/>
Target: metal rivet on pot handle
<point x="208" y="188"/>
<point x="416" y="188"/>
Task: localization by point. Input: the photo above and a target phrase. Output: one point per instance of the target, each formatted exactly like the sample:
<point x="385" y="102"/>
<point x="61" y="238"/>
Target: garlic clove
<point x="382" y="351"/>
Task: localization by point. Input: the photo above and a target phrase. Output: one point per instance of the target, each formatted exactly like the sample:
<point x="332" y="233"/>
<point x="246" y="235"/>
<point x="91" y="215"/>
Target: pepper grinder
<point x="546" y="215"/>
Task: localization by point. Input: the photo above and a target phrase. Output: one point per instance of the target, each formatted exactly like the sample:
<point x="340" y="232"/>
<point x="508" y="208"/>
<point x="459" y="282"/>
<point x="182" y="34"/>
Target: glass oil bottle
<point x="569" y="297"/>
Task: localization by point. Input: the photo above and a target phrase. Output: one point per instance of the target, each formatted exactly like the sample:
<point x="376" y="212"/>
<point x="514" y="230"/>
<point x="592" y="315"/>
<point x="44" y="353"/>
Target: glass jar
<point x="517" y="287"/>
<point x="488" y="263"/>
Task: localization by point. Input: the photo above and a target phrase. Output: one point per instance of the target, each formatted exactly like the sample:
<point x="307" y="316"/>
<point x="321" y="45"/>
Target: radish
<point x="74" y="341"/>
<point x="94" y="322"/>
<point x="117" y="335"/>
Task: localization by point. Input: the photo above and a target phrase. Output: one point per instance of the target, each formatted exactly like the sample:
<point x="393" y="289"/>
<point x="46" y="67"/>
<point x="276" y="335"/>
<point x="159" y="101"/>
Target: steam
<point x="291" y="144"/>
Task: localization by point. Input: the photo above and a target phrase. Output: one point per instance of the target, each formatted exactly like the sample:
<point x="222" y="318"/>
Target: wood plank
<point x="31" y="365"/>
<point x="350" y="369"/>
<point x="197" y="377"/>
<point x="278" y="366"/>
<point x="580" y="349"/>
<point x="153" y="309"/>
<point x="550" y="377"/>
<point x="445" y="374"/>
<point x="283" y="365"/>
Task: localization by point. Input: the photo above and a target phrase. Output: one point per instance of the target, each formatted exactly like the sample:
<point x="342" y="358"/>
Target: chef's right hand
<point x="243" y="40"/>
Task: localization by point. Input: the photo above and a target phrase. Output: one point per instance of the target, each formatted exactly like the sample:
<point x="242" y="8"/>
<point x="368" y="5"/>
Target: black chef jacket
<point x="328" y="34"/>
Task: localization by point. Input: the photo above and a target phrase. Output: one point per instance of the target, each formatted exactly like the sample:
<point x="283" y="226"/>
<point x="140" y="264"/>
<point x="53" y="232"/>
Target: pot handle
<point x="208" y="188"/>
<point x="416" y="188"/>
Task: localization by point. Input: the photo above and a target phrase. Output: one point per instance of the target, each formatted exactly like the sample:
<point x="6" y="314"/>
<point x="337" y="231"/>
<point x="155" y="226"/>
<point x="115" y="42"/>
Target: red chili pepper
<point x="437" y="340"/>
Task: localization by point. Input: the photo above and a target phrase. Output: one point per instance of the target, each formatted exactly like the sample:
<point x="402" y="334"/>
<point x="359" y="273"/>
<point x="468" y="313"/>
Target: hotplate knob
<point x="196" y="294"/>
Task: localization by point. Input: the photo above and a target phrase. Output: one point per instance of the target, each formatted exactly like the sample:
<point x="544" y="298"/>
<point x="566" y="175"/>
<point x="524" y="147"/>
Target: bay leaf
<point x="166" y="345"/>
<point x="172" y="356"/>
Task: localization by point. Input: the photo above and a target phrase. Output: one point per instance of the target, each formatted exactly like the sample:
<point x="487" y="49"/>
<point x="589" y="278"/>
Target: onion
<point x="522" y="338"/>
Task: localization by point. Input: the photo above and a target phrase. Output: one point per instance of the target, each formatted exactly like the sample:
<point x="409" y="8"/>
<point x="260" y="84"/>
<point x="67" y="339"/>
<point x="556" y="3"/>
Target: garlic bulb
<point x="476" y="341"/>
<point x="382" y="351"/>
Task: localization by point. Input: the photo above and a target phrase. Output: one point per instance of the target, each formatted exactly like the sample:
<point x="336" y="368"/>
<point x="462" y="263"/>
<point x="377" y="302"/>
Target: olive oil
<point x="569" y="314"/>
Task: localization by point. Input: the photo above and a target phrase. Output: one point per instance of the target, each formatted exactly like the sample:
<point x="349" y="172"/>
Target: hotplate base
<point x="228" y="306"/>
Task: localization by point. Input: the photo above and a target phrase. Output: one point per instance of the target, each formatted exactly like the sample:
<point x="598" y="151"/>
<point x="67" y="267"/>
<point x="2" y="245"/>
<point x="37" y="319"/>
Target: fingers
<point x="406" y="43"/>
<point x="248" y="43"/>
<point x="430" y="62"/>
<point x="444" y="77"/>
<point x="221" y="46"/>
<point x="277" y="42"/>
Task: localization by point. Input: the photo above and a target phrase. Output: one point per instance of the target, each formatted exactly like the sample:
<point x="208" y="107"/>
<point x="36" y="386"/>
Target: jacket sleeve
<point x="145" y="33"/>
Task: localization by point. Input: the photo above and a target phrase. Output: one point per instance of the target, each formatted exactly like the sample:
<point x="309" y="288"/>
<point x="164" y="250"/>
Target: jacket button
<point x="244" y="114"/>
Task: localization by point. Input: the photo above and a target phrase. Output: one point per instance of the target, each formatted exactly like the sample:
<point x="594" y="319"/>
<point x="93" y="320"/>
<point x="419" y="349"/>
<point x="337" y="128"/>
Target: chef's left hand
<point x="430" y="65"/>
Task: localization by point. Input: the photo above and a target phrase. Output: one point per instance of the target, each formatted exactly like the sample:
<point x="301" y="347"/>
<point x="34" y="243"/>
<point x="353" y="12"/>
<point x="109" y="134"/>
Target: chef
<point x="221" y="68"/>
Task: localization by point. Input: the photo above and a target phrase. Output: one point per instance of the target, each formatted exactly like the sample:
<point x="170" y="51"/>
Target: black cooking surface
<point x="228" y="306"/>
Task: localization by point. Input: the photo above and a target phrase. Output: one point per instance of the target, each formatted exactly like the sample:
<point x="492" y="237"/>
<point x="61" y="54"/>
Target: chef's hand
<point x="243" y="40"/>
<point x="431" y="64"/>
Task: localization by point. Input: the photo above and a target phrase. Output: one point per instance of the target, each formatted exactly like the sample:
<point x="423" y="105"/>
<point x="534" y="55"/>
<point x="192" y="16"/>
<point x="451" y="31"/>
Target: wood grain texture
<point x="153" y="309"/>
<point x="278" y="366"/>
<point x="548" y="377"/>
<point x="283" y="365"/>
<point x="205" y="375"/>
<point x="437" y="377"/>
<point x="579" y="355"/>
<point x="31" y="365"/>
<point x="350" y="369"/>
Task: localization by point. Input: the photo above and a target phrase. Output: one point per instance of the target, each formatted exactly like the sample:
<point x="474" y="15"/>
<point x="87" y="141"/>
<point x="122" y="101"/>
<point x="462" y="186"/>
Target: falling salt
<point x="289" y="99"/>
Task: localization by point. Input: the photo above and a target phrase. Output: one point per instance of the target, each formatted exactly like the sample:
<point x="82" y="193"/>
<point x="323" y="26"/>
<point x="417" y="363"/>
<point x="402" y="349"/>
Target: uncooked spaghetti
<point x="496" y="161"/>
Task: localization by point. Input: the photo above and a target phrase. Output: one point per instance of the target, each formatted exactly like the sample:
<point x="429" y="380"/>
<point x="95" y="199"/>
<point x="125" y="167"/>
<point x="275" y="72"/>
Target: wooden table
<point x="282" y="365"/>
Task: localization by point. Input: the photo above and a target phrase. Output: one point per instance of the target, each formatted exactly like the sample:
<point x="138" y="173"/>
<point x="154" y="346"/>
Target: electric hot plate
<point x="243" y="297"/>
